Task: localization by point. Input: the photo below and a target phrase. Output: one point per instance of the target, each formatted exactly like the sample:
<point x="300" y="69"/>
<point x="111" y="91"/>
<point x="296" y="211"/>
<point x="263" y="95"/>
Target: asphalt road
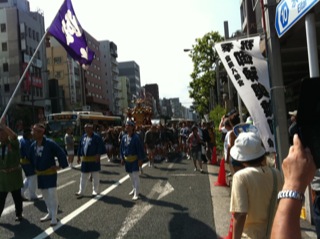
<point x="175" y="203"/>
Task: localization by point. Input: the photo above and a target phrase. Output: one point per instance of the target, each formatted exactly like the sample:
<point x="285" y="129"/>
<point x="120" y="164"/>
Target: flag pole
<point x="25" y="71"/>
<point x="21" y="78"/>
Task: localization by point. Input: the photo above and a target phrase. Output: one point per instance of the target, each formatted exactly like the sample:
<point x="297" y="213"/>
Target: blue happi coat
<point x="96" y="147"/>
<point x="43" y="161"/>
<point x="134" y="147"/>
<point x="27" y="166"/>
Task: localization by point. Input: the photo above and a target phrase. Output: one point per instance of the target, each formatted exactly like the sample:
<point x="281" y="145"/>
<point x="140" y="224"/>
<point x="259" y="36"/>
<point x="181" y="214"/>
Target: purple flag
<point x="67" y="30"/>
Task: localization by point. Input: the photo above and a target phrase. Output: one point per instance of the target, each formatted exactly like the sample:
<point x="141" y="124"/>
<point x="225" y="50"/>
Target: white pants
<point x="50" y="197"/>
<point x="95" y="182"/>
<point x="134" y="176"/>
<point x="30" y="187"/>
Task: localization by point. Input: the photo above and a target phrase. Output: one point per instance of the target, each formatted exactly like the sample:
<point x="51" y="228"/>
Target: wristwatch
<point x="291" y="194"/>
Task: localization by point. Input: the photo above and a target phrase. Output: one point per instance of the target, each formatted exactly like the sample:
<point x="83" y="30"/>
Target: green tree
<point x="216" y="115"/>
<point x="204" y="57"/>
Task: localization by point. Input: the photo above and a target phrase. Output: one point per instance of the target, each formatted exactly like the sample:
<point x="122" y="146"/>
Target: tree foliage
<point x="216" y="115"/>
<point x="204" y="57"/>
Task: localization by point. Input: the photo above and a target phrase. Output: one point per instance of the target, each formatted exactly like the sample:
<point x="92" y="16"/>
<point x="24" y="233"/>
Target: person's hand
<point x="56" y="168"/>
<point x="122" y="162"/>
<point x="298" y="167"/>
<point x="79" y="159"/>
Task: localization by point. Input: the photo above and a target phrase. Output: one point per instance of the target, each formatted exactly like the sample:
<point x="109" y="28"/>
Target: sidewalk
<point x="221" y="206"/>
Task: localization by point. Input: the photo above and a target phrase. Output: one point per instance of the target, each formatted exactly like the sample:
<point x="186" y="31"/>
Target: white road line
<point x="139" y="210"/>
<point x="79" y="210"/>
<point x="11" y="208"/>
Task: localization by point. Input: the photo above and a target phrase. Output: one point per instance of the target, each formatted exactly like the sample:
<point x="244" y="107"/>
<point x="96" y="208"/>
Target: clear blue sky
<point x="153" y="33"/>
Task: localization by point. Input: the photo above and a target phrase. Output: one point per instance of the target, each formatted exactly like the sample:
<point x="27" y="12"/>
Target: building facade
<point x="110" y="71"/>
<point x="131" y="70"/>
<point x="20" y="34"/>
<point x="153" y="89"/>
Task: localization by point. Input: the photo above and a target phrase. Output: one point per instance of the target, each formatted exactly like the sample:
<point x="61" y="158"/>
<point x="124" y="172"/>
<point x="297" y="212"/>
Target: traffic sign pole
<point x="276" y="83"/>
<point x="313" y="72"/>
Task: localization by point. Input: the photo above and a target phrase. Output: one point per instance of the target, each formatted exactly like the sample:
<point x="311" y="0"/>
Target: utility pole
<point x="280" y="125"/>
<point x="32" y="93"/>
<point x="229" y="101"/>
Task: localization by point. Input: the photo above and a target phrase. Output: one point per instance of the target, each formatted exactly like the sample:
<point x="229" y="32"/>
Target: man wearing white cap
<point x="254" y="188"/>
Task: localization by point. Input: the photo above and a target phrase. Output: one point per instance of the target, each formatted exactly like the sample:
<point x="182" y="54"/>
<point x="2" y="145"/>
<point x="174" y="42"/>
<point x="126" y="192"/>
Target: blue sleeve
<point x="79" y="153"/>
<point x="60" y="154"/>
<point x="140" y="148"/>
<point x="102" y="148"/>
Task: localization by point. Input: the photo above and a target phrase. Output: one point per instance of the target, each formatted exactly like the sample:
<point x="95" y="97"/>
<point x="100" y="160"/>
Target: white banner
<point x="248" y="71"/>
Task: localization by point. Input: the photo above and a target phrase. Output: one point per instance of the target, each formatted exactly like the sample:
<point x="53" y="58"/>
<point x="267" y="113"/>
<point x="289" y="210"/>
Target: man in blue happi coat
<point x="132" y="155"/>
<point x="90" y="149"/>
<point x="29" y="188"/>
<point x="42" y="155"/>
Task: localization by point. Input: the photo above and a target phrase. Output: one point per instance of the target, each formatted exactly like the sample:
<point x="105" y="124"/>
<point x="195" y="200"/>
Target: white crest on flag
<point x="84" y="53"/>
<point x="70" y="27"/>
<point x="248" y="71"/>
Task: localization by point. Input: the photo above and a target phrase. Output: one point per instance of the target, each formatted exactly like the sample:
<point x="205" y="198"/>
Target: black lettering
<point x="266" y="106"/>
<point x="243" y="58"/>
<point x="260" y="91"/>
<point x="251" y="74"/>
<point x="247" y="45"/>
<point x="227" y="47"/>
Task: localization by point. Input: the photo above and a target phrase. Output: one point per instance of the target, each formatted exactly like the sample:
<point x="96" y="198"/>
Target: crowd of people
<point x="255" y="191"/>
<point x="161" y="140"/>
<point x="34" y="156"/>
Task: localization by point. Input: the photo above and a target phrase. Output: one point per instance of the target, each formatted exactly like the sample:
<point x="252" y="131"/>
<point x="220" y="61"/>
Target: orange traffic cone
<point x="229" y="236"/>
<point x="222" y="175"/>
<point x="214" y="156"/>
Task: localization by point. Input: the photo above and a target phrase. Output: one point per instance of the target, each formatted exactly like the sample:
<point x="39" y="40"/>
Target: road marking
<point x="79" y="210"/>
<point x="11" y="208"/>
<point x="139" y="210"/>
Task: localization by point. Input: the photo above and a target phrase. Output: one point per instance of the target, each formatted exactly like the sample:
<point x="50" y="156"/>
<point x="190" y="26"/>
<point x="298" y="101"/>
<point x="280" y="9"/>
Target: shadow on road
<point x="186" y="227"/>
<point x="19" y="230"/>
<point x="74" y="232"/>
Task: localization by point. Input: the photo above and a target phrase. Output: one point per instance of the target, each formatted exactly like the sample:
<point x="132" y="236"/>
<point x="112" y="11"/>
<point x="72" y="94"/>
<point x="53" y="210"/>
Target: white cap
<point x="247" y="147"/>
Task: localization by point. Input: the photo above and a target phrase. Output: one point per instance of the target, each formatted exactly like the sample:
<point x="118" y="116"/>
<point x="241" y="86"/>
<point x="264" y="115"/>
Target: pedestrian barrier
<point x="222" y="175"/>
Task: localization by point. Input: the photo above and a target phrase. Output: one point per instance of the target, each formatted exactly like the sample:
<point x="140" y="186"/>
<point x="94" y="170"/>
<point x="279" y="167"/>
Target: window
<point x="6" y="88"/>
<point x="5" y="67"/>
<point x="3" y="27"/>
<point x="57" y="60"/>
<point x="4" y="46"/>
<point x="58" y="74"/>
